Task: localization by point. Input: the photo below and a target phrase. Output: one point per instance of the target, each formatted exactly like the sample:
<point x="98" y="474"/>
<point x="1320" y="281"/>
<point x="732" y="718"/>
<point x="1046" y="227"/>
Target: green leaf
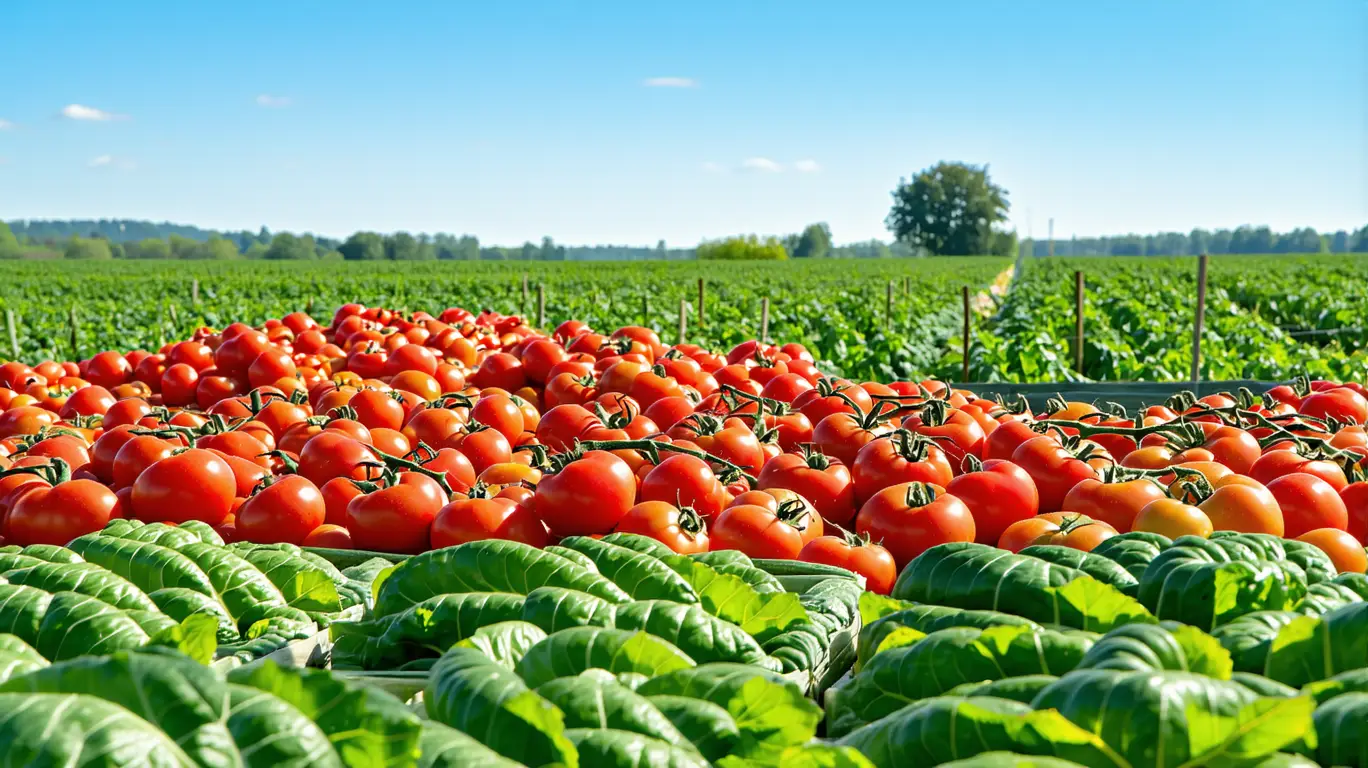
<point x="1089" y="604"/>
<point x="598" y="700"/>
<point x="505" y="642"/>
<point x="472" y="694"/>
<point x="445" y="747"/>
<point x="806" y="756"/>
<point x="195" y="637"/>
<point x="728" y="597"/>
<point x="1258" y="730"/>
<point x="18" y="658"/>
<point x="607" y="747"/>
<point x="366" y="726"/>
<point x="874" y="606"/>
<point x="68" y="729"/>
<point x="572" y="651"/>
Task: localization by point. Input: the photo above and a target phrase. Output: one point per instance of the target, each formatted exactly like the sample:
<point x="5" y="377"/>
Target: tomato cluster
<point x="399" y="433"/>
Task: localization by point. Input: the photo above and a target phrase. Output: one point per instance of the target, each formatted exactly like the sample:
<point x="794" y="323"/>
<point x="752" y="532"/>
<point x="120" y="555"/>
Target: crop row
<point x="837" y="308"/>
<point x="1267" y="318"/>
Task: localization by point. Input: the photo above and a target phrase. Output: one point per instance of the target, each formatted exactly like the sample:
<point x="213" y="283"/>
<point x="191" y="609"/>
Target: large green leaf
<point x="624" y="749"/>
<point x="1133" y="550"/>
<point x="150" y="566"/>
<point x="85" y="579"/>
<point x="1249" y="637"/>
<point x="597" y="700"/>
<point x="171" y="692"/>
<point x="1099" y="567"/>
<point x="1156" y="718"/>
<point x="942" y="660"/>
<point x="977" y="576"/>
<point x="1310" y="649"/>
<point x="1023" y="689"/>
<point x="445" y="747"/>
<point x="1198" y="582"/>
<point x="691" y="629"/>
<point x="1255" y="732"/>
<point x="77" y="625"/>
<point x="708" y="726"/>
<point x="303" y="583"/>
<point x="1169" y="646"/>
<point x="572" y="651"/>
<point x="180" y="603"/>
<point x="22" y="610"/>
<point x="469" y="692"/>
<point x="556" y="608"/>
<point x="269" y="731"/>
<point x="505" y="642"/>
<point x="239" y="585"/>
<point x="927" y="619"/>
<point x="1342" y="730"/>
<point x="18" y="658"/>
<point x="642" y="576"/>
<point x="425" y="629"/>
<point x="771" y="713"/>
<point x="71" y="729"/>
<point x="490" y="565"/>
<point x="761" y="615"/>
<point x="367" y="727"/>
<point x="946" y="728"/>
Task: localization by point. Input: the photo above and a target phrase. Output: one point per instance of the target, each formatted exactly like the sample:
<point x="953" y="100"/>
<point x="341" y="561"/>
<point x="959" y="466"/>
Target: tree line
<point x="1238" y="240"/>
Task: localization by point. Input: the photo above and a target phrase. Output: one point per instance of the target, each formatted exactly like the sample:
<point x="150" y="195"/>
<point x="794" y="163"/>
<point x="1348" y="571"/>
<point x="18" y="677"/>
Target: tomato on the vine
<point x="679" y="528"/>
<point x="1068" y="529"/>
<point x="761" y="532"/>
<point x="586" y="495"/>
<point x="286" y="510"/>
<point x="854" y="553"/>
<point x="910" y="518"/>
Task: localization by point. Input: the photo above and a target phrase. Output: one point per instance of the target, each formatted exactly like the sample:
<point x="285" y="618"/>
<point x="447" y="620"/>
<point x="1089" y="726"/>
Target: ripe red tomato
<point x="1307" y="503"/>
<point x="1054" y="469"/>
<point x="327" y="536"/>
<point x="910" y="518"/>
<point x="1067" y="529"/>
<point x="1277" y="463"/>
<point x="901" y="457"/>
<point x="854" y="553"/>
<point x="823" y="481"/>
<point x="998" y="495"/>
<point x="679" y="528"/>
<point x="1115" y="504"/>
<point x="330" y="454"/>
<point x="588" y="495"/>
<point x="57" y="514"/>
<point x="479" y="516"/>
<point x="685" y="481"/>
<point x="192" y="484"/>
<point x="760" y="532"/>
<point x="1355" y="498"/>
<point x="396" y="518"/>
<point x="287" y="510"/>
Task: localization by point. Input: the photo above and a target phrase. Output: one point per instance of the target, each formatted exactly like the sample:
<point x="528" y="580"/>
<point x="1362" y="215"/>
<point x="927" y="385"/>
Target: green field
<point x="837" y="307"/>
<point x="1268" y="317"/>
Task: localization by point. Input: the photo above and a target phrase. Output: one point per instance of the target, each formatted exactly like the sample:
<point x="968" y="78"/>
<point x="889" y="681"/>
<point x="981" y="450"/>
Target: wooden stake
<point x="75" y="345"/>
<point x="964" y="292"/>
<point x="1078" y="320"/>
<point x="645" y="310"/>
<point x="541" y="305"/>
<point x="175" y="320"/>
<point x="888" y="313"/>
<point x="13" y="333"/>
<point x="702" y="307"/>
<point x="764" y="319"/>
<point x="194" y="292"/>
<point x="907" y="285"/>
<point x="683" y="318"/>
<point x="524" y="286"/>
<point x="1199" y="319"/>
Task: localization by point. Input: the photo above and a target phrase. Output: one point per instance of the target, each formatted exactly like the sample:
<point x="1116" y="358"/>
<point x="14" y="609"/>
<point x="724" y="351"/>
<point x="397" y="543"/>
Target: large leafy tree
<point x="949" y="209"/>
<point x="746" y="247"/>
<point x="814" y="243"/>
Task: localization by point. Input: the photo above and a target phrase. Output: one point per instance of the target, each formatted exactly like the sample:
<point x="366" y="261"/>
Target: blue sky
<point x="513" y="120"/>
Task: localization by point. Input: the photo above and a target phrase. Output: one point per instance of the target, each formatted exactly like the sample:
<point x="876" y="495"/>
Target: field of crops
<point x="401" y="539"/>
<point x="1267" y="318"/>
<point x="838" y="308"/>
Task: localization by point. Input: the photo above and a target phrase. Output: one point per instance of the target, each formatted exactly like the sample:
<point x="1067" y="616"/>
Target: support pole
<point x="964" y="292"/>
<point x="764" y="319"/>
<point x="1078" y="321"/>
<point x="1199" y="320"/>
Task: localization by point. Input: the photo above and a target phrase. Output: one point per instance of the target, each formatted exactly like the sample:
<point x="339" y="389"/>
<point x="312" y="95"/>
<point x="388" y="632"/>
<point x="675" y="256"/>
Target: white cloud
<point x="273" y="102"/>
<point x="807" y="166"/>
<point x="110" y="161"/>
<point x="670" y="82"/>
<point x="712" y="167"/>
<point x="763" y="164"/>
<point x="91" y="114"/>
<point x="5" y="125"/>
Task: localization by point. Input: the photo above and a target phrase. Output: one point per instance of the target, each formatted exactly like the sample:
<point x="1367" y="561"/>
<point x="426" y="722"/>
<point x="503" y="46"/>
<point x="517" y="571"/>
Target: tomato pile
<point x="403" y="433"/>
